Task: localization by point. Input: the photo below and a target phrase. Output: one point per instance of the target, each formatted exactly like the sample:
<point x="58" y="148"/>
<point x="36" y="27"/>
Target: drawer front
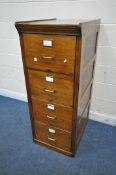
<point x="53" y="136"/>
<point x="59" y="57"/>
<point x="60" y="117"/>
<point x="51" y="87"/>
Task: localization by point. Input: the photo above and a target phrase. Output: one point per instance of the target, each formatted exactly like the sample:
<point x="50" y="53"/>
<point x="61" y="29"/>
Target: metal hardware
<point x="65" y="60"/>
<point x="49" y="91"/>
<point x="50" y="117"/>
<point x="47" y="43"/>
<point x="48" y="57"/>
<point x="51" y="139"/>
<point x="51" y="107"/>
<point x="35" y="59"/>
<point x="49" y="78"/>
<point x="51" y="130"/>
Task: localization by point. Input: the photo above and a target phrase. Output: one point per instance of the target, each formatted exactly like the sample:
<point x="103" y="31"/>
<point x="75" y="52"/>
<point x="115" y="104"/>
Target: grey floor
<point x="20" y="156"/>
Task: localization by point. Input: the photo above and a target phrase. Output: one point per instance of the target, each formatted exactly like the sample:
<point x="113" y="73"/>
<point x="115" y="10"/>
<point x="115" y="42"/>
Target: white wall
<point x="11" y="72"/>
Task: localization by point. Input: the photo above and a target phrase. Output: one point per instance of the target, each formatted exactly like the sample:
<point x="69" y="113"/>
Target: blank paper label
<point x="47" y="43"/>
<point x="49" y="79"/>
<point x="49" y="106"/>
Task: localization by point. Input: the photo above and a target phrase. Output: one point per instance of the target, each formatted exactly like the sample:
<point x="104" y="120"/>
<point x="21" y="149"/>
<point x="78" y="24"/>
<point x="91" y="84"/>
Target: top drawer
<point x="50" y="52"/>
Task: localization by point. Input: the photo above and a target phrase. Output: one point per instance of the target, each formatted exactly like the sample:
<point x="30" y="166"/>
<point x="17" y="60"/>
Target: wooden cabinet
<point x="58" y="58"/>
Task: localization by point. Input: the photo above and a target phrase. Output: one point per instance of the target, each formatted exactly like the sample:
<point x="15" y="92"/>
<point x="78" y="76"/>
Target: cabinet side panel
<point x="87" y="64"/>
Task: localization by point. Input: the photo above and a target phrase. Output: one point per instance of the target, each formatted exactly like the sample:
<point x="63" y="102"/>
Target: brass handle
<point x="53" y="118"/>
<point x="51" y="91"/>
<point x="48" y="57"/>
<point x="51" y="139"/>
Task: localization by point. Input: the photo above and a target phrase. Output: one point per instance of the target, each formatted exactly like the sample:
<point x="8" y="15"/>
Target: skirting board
<point x="103" y="118"/>
<point x="93" y="115"/>
<point x="14" y="95"/>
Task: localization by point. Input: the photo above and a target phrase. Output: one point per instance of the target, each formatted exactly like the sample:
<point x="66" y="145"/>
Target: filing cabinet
<point x="58" y="58"/>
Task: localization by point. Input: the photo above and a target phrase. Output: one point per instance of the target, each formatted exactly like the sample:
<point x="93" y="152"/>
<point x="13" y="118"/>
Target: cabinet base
<point x="53" y="148"/>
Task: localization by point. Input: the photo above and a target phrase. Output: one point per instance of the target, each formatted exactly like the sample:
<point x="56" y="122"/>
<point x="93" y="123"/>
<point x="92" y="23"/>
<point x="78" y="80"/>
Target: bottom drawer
<point x="53" y="136"/>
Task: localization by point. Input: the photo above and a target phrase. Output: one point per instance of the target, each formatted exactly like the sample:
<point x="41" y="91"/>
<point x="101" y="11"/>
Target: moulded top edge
<point x="58" y="25"/>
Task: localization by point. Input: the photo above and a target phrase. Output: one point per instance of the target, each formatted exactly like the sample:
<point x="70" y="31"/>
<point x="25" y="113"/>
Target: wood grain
<point x="69" y="94"/>
<point x="62" y="114"/>
<point x="60" y="91"/>
<point x="63" y="48"/>
<point x="60" y="139"/>
<point x="50" y="26"/>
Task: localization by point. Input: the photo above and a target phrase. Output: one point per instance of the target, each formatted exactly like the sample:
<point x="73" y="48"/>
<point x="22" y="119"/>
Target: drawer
<point x="60" y="117"/>
<point x="52" y="87"/>
<point x="53" y="136"/>
<point x="60" y="57"/>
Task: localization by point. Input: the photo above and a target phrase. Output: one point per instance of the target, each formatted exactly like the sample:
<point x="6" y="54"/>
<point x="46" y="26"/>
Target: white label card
<point x="52" y="130"/>
<point x="49" y="79"/>
<point x="49" y="106"/>
<point x="47" y="43"/>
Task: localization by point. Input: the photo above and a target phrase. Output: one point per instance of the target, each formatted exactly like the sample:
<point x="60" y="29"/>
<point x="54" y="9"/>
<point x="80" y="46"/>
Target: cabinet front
<point x="50" y="65"/>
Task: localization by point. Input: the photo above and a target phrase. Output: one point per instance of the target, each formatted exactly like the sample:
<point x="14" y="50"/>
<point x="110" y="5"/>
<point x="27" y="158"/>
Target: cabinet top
<point x="60" y="26"/>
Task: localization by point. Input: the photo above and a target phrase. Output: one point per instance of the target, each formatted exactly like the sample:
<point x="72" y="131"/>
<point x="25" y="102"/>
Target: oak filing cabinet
<point x="58" y="58"/>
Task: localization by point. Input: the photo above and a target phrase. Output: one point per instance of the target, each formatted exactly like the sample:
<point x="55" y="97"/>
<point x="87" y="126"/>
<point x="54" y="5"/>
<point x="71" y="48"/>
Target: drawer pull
<point x="50" y="91"/>
<point x="51" y="130"/>
<point x="48" y="58"/>
<point x="52" y="118"/>
<point x="51" y="139"/>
